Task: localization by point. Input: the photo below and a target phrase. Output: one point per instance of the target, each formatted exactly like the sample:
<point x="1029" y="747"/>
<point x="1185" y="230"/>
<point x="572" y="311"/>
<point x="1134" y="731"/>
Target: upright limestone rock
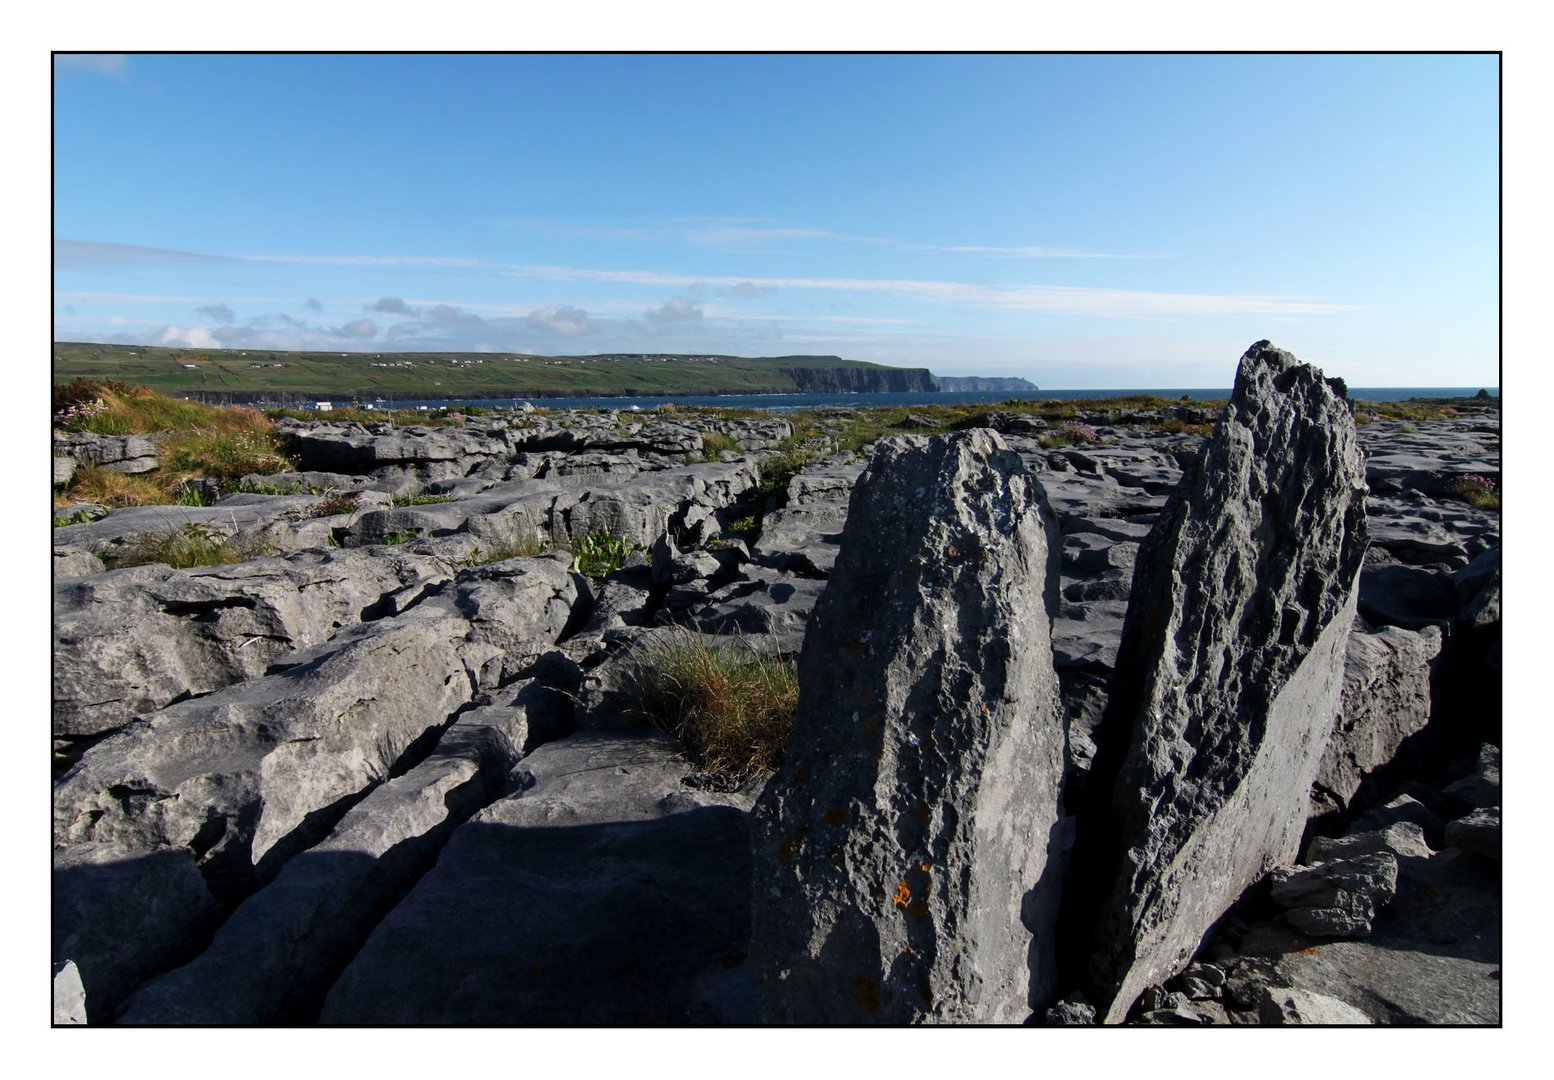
<point x="1226" y="684"/>
<point x="902" y="852"/>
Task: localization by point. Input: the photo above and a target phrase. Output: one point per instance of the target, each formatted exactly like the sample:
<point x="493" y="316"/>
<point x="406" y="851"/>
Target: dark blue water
<point x="788" y="402"/>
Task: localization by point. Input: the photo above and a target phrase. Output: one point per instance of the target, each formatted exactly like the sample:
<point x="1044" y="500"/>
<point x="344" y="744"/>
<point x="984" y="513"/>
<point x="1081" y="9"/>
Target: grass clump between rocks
<point x="730" y="707"/>
<point x="185" y="546"/>
<point x="714" y="443"/>
<point x="514" y="547"/>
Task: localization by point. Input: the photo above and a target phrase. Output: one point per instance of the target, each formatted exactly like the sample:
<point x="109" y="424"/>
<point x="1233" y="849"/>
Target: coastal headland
<point x="235" y="376"/>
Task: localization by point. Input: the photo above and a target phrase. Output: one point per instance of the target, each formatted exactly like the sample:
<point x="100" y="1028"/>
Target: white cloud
<point x="359" y="328"/>
<point x="559" y="319"/>
<point x="677" y="309"/>
<point x="189" y="337"/>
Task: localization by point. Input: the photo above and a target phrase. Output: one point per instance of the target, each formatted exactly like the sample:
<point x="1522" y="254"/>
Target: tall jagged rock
<point x="902" y="851"/>
<point x="1226" y="684"/>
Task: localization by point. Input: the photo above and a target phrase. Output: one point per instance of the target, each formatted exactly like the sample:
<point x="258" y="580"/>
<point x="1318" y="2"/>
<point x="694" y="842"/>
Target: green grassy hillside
<point x="247" y="375"/>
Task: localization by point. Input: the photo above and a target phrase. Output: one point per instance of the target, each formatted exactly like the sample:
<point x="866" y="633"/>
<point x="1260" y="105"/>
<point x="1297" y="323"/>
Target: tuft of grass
<point x="525" y="547"/>
<point x="187" y="545"/>
<point x="401" y="536"/>
<point x="598" y="555"/>
<point x="420" y="500"/>
<point x="715" y="442"/>
<point x="94" y="484"/>
<point x="732" y="709"/>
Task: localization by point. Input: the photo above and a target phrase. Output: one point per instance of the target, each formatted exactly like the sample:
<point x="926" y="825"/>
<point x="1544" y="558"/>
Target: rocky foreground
<point x="1158" y="729"/>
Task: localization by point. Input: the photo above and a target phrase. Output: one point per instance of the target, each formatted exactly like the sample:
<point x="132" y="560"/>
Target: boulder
<point x="1072" y="1011"/>
<point x="1386" y="698"/>
<point x="1401" y="839"/>
<point x="69" y="995"/>
<point x="1477" y="832"/>
<point x="902" y="868"/>
<point x="1482" y="788"/>
<point x="1478" y="589"/>
<point x="1338" y="898"/>
<point x="1227" y="681"/>
<point x="602" y="891"/>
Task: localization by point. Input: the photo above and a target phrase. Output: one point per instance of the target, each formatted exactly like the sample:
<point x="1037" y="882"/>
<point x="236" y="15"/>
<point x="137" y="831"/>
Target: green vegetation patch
<point x="598" y="555"/>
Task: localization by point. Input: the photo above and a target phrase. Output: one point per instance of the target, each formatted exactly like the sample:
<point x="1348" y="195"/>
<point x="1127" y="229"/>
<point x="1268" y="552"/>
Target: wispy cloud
<point x="93" y="255"/>
<point x="1022" y="251"/>
<point x="113" y="64"/>
<point x="1052" y="299"/>
<point x="751" y="234"/>
<point x="366" y="260"/>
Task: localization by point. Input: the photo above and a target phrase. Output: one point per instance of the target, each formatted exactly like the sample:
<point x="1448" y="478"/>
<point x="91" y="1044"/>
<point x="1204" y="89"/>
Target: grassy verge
<point x="193" y="441"/>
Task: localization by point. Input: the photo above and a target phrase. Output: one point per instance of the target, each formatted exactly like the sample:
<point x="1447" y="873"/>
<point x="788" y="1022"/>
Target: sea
<point x="790" y="402"/>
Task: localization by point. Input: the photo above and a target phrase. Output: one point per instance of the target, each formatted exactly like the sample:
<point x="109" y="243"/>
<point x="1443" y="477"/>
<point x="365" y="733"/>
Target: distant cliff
<point x="861" y="380"/>
<point x="957" y="383"/>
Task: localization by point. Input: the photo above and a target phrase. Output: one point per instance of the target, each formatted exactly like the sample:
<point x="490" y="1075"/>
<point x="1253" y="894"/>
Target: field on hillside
<point x="281" y="375"/>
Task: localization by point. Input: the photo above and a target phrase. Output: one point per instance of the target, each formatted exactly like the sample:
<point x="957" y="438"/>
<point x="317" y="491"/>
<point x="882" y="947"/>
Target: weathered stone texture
<point x="1227" y="680"/>
<point x="902" y="851"/>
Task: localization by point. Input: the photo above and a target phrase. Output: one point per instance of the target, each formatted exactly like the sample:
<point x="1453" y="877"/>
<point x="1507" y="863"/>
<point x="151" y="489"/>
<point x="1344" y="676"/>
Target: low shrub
<point x="778" y="469"/>
<point x="731" y="708"/>
<point x="1079" y="431"/>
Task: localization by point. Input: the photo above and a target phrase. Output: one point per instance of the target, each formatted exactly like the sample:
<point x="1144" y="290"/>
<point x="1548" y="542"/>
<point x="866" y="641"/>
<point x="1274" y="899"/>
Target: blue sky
<point x="1083" y="221"/>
